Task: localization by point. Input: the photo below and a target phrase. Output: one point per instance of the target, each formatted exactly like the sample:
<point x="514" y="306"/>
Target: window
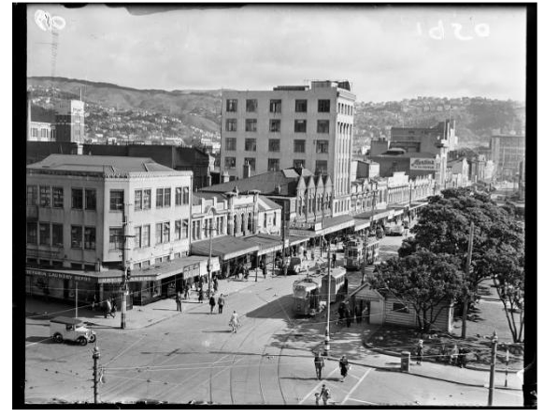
<point x="251" y="105"/>
<point x="323" y="106"/>
<point x="322" y="127"/>
<point x="137" y="237"/>
<point x="185" y="228"/>
<point x="251" y="162"/>
<point x="45" y="196"/>
<point x="298" y="163"/>
<point x="400" y="307"/>
<point x="185" y="196"/>
<point x="162" y="232"/>
<point x="178" y="196"/>
<point x="45" y="234"/>
<point x="58" y="197"/>
<point x="32" y="195"/>
<point x="250" y="145"/>
<point x="230" y="162"/>
<point x="76" y="236"/>
<point x="146" y="202"/>
<point x="90" y="238"/>
<point x="274" y="145"/>
<point x="231" y="125"/>
<point x="299" y="145"/>
<point x="321" y="166"/>
<point x="230" y="144"/>
<point x="116" y="200"/>
<point x="162" y="198"/>
<point x="274" y="125"/>
<point x="232" y="105"/>
<point x="90" y="199"/>
<point x="116" y="238"/>
<point x="251" y="125"/>
<point x="300" y="125"/>
<point x="275" y="106"/>
<point x="264" y="220"/>
<point x="196" y="231"/>
<point x="57" y="235"/>
<point x="146" y="235"/>
<point x="322" y="147"/>
<point x="301" y="106"/>
<point x="137" y="200"/>
<point x="31" y="233"/>
<point x="77" y="198"/>
<point x="273" y="164"/>
<point x="177" y="230"/>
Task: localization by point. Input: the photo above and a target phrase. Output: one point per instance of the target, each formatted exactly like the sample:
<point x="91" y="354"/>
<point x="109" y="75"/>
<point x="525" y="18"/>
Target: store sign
<point x="57" y="275"/>
<point x="428" y="164"/>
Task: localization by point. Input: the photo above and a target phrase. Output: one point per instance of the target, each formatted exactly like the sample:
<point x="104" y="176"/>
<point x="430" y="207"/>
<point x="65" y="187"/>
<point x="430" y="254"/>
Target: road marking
<point x="356" y="385"/>
<point x="359" y="400"/>
<point x="313" y="391"/>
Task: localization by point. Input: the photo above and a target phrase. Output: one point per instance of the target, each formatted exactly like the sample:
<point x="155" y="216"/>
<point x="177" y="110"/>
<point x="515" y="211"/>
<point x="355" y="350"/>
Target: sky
<point x="387" y="53"/>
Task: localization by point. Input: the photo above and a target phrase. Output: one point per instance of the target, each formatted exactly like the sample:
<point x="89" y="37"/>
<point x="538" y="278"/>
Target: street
<point x="193" y="356"/>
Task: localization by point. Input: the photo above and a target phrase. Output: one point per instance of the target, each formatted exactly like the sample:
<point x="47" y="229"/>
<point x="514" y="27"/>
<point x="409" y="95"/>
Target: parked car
<point x="298" y="264"/>
<point x="394" y="229"/>
<point x="64" y="328"/>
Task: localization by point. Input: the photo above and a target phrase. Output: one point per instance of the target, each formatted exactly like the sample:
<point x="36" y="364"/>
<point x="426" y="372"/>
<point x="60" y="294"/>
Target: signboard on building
<point x="429" y="164"/>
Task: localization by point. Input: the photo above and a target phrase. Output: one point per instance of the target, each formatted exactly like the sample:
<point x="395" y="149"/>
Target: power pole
<point x="96" y="356"/>
<point x="284" y="267"/>
<point x="465" y="307"/>
<point x="492" y="369"/>
<point x="326" y="349"/>
<point x="126" y="269"/>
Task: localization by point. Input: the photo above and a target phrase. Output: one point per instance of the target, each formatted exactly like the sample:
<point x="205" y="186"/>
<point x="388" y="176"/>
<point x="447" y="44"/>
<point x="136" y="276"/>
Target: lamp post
<point x="209" y="265"/>
<point x="492" y="369"/>
<point x="326" y="343"/>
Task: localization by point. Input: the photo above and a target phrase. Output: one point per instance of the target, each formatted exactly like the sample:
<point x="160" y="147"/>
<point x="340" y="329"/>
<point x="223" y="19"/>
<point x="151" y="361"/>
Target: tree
<point x="426" y="281"/>
<point x="443" y="228"/>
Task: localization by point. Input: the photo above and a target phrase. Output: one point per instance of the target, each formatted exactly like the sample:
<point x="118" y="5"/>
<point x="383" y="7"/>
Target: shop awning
<point x="338" y="223"/>
<point x="297" y="239"/>
<point x="267" y="243"/>
<point x="360" y="224"/>
<point x="226" y="247"/>
<point x="376" y="216"/>
<point x="417" y="204"/>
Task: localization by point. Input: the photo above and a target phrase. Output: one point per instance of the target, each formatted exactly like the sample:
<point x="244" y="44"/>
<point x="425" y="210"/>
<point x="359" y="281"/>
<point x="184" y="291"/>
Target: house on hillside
<point x="389" y="309"/>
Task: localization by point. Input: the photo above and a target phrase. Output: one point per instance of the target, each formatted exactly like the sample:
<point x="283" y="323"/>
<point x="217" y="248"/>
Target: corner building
<point x="291" y="126"/>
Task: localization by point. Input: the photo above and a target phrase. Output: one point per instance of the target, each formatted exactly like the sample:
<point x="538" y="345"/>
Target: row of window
<point x="299" y="145"/>
<point x="273" y="164"/>
<point x="47" y="196"/>
<point x="51" y="234"/>
<point x="299" y="125"/>
<point x="42" y="133"/>
<point x="275" y="105"/>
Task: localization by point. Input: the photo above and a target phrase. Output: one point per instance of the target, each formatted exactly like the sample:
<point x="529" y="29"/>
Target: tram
<point x="358" y="252"/>
<point x="306" y="296"/>
<point x="338" y="275"/>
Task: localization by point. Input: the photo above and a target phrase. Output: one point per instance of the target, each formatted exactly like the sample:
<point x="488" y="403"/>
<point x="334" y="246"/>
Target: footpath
<point x="344" y="341"/>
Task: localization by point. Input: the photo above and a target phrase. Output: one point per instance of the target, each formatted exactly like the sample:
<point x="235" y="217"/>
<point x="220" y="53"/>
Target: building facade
<point x="70" y="121"/>
<point x="291" y="126"/>
<point x="102" y="215"/>
<point x="507" y="151"/>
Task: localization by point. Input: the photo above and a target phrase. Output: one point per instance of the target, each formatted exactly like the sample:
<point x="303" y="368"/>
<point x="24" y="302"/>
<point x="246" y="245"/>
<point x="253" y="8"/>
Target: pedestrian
<point x="317" y="395"/>
<point x="179" y="302"/>
<point x="344" y="366"/>
<point x="107" y="308"/>
<point x="221" y="302"/>
<point x="212" y="304"/>
<point x="186" y="292"/>
<point x="215" y="285"/>
<point x="454" y="355"/>
<point x="94" y="302"/>
<point x="462" y="357"/>
<point x="234" y="322"/>
<point x="419" y="351"/>
<point x="325" y="394"/>
<point x="319" y="364"/>
<point x="357" y="311"/>
<point x="349" y="316"/>
<point x="334" y="259"/>
<point x="264" y="270"/>
<point x="201" y="295"/>
<point x="114" y="308"/>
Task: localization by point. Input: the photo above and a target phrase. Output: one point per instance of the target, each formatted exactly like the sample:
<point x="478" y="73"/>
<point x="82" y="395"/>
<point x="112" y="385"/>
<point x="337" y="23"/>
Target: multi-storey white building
<point x="93" y="216"/>
<point x="291" y="126"/>
<point x="507" y="151"/>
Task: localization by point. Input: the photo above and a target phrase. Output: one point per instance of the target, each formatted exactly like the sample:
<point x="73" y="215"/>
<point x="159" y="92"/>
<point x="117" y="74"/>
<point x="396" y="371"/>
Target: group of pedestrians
<point x="325" y="394"/>
<point x="347" y="315"/>
<point x="220" y="303"/>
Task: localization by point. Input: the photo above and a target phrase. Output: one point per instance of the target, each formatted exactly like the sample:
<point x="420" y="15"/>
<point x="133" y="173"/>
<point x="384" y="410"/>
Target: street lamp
<point x="492" y="369"/>
<point x="326" y="343"/>
<point x="209" y="265"/>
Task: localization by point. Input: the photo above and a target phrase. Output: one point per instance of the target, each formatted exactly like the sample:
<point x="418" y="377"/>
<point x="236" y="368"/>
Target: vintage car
<point x="64" y="328"/>
<point x="298" y="264"/>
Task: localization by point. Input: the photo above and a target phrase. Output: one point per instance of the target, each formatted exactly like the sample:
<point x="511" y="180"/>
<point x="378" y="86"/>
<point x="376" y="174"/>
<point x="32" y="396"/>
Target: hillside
<point x="476" y="118"/>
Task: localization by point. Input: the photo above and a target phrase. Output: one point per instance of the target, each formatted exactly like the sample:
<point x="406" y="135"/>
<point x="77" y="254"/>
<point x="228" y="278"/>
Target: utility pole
<point x="465" y="307"/>
<point x="126" y="270"/>
<point x="328" y="298"/>
<point x="76" y="283"/>
<point x="492" y="369"/>
<point x="96" y="356"/>
<point x="284" y="267"/>
<point x="209" y="265"/>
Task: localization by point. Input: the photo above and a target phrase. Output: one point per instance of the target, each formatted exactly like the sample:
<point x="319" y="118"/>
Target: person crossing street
<point x="319" y="364"/>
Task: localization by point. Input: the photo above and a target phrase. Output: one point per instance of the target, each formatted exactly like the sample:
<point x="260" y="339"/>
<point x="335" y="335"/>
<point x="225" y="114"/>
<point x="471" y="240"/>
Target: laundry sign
<point x="423" y="164"/>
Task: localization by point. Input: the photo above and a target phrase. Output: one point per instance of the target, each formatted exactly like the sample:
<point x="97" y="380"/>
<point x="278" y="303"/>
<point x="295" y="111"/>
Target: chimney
<point x="277" y="189"/>
<point x="246" y="170"/>
<point x="225" y="177"/>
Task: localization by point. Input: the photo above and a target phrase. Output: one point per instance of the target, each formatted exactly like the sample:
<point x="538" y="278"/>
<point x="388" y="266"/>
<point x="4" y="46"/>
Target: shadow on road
<point x="43" y="340"/>
<point x="279" y="308"/>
